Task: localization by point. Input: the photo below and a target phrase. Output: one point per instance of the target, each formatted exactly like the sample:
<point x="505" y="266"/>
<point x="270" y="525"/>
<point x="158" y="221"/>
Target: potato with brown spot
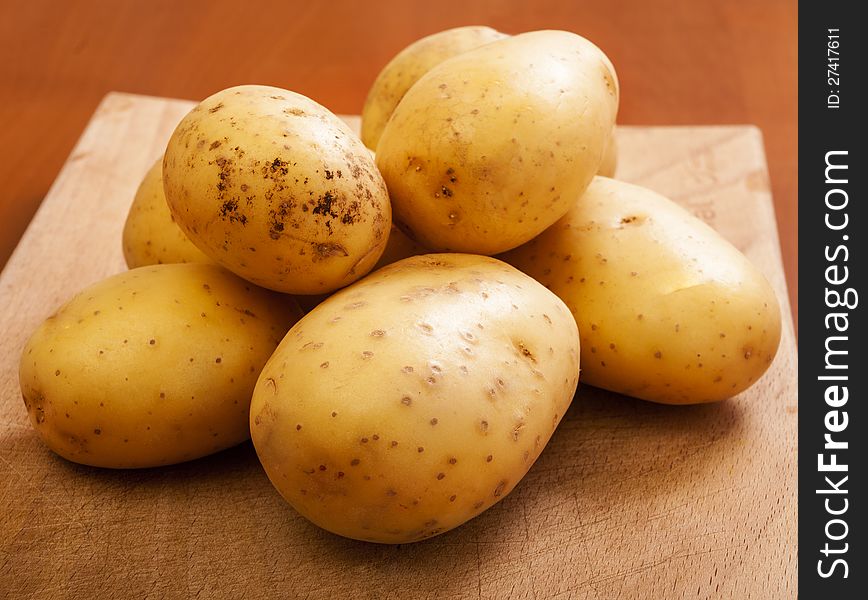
<point x="411" y="63"/>
<point x="492" y="146"/>
<point x="427" y="435"/>
<point x="408" y="66"/>
<point x="668" y="310"/>
<point x="277" y="189"/>
<point x="153" y="366"/>
<point x="151" y="235"/>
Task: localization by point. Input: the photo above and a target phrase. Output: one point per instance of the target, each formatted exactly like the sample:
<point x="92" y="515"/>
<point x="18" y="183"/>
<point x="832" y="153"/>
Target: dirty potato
<point x="153" y="366"/>
<point x="277" y="189"/>
<point x="408" y="66"/>
<point x="151" y="235"/>
<point x="492" y="146"/>
<point x="668" y="310"/>
<point x="415" y="399"/>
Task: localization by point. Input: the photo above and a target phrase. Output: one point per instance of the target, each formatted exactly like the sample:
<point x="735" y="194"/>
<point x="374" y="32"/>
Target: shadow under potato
<point x="607" y="450"/>
<point x="603" y="433"/>
<point x="610" y="455"/>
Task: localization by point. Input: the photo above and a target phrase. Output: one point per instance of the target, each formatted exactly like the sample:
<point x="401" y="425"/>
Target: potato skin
<point x="408" y="66"/>
<point x="152" y="366"/>
<point x="277" y="189"/>
<point x="668" y="310"/>
<point x="151" y="236"/>
<point x="492" y="146"/>
<point x="415" y="399"/>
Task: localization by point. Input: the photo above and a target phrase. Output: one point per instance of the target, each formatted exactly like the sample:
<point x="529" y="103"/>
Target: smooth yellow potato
<point x="153" y="366"/>
<point x="408" y="66"/>
<point x="151" y="236"/>
<point x="415" y="399"/>
<point x="668" y="310"/>
<point x="277" y="189"/>
<point x="492" y="146"/>
<point x="610" y="158"/>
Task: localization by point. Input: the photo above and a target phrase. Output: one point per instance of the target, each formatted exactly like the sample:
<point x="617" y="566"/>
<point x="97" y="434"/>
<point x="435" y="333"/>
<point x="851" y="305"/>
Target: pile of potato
<point x="419" y="387"/>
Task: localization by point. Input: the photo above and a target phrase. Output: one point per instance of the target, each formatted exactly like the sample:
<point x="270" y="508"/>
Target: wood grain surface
<point x="629" y="500"/>
<point x="680" y="62"/>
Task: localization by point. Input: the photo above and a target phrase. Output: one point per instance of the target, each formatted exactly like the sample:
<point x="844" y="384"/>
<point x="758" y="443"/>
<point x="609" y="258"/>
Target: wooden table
<point x="629" y="500"/>
<point x="679" y="61"/>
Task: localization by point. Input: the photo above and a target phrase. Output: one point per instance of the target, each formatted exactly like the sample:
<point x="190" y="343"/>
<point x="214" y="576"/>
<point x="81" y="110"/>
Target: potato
<point x="492" y="146"/>
<point x="415" y="399"/>
<point x="408" y="66"/>
<point x="151" y="235"/>
<point x="277" y="189"/>
<point x="153" y="366"/>
<point x="668" y="310"/>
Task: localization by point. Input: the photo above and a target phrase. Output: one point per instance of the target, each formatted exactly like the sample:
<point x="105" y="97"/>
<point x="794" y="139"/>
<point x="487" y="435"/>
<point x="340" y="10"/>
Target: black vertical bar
<point x="833" y="561"/>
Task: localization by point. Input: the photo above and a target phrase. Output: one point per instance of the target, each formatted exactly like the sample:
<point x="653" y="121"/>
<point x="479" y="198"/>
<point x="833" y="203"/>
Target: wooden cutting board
<point x="629" y="500"/>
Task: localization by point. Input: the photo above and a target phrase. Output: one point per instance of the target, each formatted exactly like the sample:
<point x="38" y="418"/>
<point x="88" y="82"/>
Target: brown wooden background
<point x="679" y="62"/>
